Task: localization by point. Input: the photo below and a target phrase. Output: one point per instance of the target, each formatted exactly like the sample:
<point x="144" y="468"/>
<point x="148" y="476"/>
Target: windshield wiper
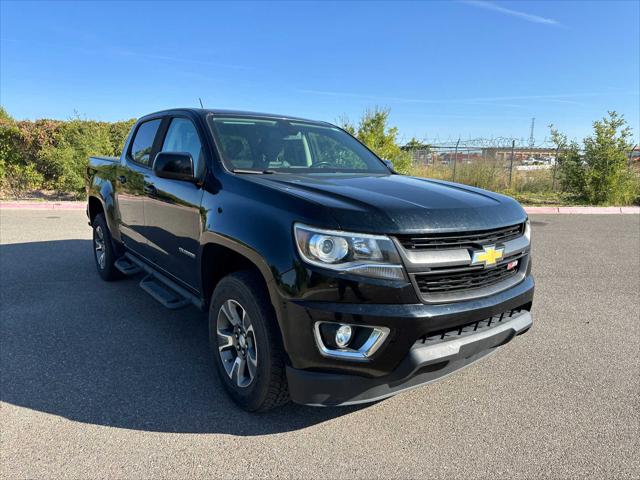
<point x="244" y="170"/>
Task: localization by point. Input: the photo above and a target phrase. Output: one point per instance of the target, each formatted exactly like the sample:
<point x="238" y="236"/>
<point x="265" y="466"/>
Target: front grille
<point x="466" y="278"/>
<point x="460" y="240"/>
<point x="467" y="329"/>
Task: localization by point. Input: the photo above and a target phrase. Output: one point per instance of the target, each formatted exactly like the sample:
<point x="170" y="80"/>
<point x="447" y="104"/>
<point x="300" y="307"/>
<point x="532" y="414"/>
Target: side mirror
<point x="174" y="165"/>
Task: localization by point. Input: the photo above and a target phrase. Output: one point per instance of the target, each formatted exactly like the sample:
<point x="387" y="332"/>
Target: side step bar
<point x="159" y="286"/>
<point x="126" y="266"/>
<point x="163" y="294"/>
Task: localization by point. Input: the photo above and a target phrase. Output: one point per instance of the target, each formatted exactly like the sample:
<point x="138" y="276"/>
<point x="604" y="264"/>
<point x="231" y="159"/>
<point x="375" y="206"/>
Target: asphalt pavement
<point x="97" y="380"/>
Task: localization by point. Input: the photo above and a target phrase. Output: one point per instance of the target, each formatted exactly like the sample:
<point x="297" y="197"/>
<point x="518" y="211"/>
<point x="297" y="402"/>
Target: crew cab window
<point x="182" y="136"/>
<point x="143" y="142"/>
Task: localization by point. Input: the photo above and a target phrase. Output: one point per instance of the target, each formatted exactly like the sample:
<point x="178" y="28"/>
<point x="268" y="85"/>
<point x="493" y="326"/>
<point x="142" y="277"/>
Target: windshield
<point x="255" y="143"/>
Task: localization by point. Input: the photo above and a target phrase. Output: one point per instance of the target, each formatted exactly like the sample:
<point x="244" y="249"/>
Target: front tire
<point x="103" y="250"/>
<point x="246" y="344"/>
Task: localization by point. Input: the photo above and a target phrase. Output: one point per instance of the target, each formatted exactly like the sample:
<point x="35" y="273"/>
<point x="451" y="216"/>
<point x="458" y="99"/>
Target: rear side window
<point x="143" y="142"/>
<point x="182" y="136"/>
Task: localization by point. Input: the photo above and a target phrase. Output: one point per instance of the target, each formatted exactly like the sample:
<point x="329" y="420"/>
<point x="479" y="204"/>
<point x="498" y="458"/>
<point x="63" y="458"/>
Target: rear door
<point x="172" y="207"/>
<point x="130" y="180"/>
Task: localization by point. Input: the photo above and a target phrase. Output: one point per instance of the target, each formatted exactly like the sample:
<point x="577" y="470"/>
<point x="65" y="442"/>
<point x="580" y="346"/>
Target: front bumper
<point x="422" y="365"/>
<point x="400" y="363"/>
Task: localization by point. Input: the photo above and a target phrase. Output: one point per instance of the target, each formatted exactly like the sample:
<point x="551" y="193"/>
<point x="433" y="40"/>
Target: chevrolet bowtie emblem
<point x="488" y="256"/>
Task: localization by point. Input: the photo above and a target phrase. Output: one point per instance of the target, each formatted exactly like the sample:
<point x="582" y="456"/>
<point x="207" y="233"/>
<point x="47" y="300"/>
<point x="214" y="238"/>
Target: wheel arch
<point x="101" y="199"/>
<point x="221" y="256"/>
<point x="95" y="207"/>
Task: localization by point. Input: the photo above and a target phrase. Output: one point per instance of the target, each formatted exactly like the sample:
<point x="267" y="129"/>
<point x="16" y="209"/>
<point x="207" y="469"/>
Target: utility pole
<point x="532" y="140"/>
<point x="455" y="159"/>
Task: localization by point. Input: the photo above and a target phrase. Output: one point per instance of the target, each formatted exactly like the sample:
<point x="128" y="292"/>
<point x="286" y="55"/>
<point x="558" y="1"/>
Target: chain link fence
<point x="501" y="164"/>
<point x="488" y="165"/>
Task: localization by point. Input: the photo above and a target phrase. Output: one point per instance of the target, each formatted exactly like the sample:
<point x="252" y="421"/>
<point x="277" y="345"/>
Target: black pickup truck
<point x="329" y="279"/>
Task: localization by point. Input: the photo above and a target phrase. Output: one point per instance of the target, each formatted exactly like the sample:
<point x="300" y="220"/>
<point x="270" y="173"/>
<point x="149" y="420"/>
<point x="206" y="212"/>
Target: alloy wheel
<point x="98" y="240"/>
<point x="237" y="343"/>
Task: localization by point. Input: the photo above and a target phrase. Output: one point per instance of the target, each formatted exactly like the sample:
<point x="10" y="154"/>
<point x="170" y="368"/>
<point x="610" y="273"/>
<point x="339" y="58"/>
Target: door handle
<point x="150" y="189"/>
<point x="122" y="179"/>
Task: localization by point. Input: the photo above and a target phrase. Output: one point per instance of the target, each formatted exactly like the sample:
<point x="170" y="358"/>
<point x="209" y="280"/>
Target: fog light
<point x="343" y="336"/>
<point x="349" y="342"/>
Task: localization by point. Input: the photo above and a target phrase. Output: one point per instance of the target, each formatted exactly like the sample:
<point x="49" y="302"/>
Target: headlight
<point x="355" y="253"/>
<point x="527" y="230"/>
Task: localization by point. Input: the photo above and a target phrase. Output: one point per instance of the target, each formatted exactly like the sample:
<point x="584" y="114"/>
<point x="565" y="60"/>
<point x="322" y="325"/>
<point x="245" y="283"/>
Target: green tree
<point x="373" y="130"/>
<point x="415" y="144"/>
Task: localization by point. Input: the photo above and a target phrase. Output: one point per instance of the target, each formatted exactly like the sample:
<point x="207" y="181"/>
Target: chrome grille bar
<point x="442" y="270"/>
<point x="438" y="241"/>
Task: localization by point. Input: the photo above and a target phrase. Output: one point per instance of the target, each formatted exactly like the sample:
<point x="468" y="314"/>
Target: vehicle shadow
<point x="106" y="353"/>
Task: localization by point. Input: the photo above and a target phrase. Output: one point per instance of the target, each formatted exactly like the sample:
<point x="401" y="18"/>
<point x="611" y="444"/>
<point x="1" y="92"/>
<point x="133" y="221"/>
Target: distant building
<point x="520" y="154"/>
<point x="447" y="155"/>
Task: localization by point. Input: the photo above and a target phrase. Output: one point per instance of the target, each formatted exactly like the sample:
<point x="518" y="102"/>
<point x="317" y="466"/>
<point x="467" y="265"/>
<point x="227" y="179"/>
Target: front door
<point x="172" y="208"/>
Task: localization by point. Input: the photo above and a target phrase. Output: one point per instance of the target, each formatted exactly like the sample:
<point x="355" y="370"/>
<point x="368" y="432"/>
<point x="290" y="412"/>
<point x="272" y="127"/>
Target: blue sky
<point x="445" y="69"/>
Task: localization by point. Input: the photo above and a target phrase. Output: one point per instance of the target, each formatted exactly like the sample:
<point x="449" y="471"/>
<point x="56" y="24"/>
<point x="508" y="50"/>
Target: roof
<point x="221" y="112"/>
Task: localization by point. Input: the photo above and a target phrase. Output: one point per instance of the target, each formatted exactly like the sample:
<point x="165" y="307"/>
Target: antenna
<point x="532" y="141"/>
<point x="201" y="106"/>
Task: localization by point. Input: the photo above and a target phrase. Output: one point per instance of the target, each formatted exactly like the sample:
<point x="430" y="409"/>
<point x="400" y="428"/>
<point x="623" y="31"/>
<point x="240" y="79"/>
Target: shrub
<point x="601" y="175"/>
<point x="118" y="132"/>
<point x="571" y="172"/>
<point x="19" y="179"/>
<point x="627" y="191"/>
<point x="52" y="154"/>
<point x="605" y="157"/>
<point x="9" y="139"/>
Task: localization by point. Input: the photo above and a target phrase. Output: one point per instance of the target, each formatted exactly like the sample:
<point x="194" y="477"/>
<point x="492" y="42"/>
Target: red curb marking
<point x="589" y="210"/>
<point x="550" y="210"/>
<point x="635" y="210"/>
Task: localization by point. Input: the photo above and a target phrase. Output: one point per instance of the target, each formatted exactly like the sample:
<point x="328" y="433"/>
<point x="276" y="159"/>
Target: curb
<point x="583" y="210"/>
<point x="530" y="210"/>
<point x="43" y="205"/>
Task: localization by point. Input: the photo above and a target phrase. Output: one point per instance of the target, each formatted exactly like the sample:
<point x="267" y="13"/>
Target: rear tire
<point x="103" y="251"/>
<point x="246" y="344"/>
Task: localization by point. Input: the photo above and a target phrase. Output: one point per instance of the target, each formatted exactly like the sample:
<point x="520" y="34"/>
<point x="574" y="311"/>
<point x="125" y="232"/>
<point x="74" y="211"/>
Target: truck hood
<point x="398" y="204"/>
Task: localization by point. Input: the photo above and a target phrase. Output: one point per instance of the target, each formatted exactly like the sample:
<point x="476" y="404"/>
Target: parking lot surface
<point x="100" y="381"/>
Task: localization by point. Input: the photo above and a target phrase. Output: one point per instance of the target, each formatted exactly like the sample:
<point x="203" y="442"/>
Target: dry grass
<point x="490" y="175"/>
<point x="533" y="187"/>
